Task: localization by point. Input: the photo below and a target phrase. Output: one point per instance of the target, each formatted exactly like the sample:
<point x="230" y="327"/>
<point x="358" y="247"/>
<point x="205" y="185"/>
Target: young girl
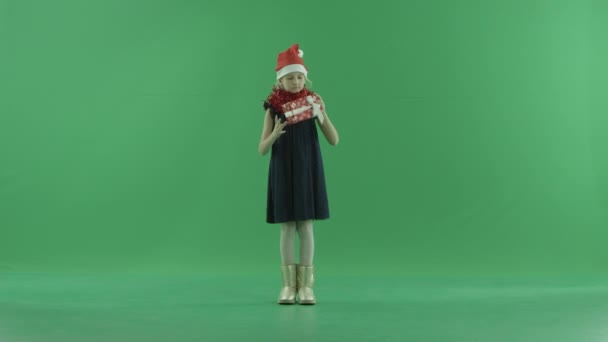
<point x="296" y="181"/>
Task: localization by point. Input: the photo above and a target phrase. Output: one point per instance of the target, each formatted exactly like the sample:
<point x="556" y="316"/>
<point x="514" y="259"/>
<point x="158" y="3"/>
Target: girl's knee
<point x="304" y="226"/>
<point x="304" y="223"/>
<point x="288" y="226"/>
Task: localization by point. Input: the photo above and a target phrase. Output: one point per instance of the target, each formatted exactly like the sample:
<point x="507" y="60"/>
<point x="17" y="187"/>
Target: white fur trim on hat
<point x="291" y="68"/>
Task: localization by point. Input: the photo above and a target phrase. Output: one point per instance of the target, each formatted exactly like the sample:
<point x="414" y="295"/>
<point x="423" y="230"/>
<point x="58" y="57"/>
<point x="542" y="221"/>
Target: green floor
<point x="70" y="307"/>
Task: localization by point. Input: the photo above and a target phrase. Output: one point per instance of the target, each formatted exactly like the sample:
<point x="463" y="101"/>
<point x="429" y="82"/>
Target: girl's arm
<point x="270" y="134"/>
<point x="329" y="131"/>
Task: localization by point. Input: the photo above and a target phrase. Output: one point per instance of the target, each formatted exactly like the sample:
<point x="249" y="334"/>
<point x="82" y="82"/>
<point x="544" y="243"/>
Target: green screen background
<point x="473" y="135"/>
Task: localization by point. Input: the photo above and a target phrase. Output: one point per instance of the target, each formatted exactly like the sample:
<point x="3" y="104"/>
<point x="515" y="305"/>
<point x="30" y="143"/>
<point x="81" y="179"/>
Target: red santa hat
<point x="290" y="60"/>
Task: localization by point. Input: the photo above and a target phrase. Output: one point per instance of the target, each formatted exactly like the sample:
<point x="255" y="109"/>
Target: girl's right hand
<point x="278" y="127"/>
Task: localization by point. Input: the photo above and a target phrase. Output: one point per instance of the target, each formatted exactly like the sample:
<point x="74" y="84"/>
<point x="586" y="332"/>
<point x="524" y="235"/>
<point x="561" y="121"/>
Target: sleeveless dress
<point x="296" y="179"/>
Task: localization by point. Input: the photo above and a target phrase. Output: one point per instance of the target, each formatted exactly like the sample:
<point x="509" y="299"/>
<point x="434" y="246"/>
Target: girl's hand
<point x="278" y="127"/>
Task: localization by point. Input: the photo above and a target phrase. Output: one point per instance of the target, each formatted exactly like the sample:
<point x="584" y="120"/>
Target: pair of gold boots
<point x="297" y="279"/>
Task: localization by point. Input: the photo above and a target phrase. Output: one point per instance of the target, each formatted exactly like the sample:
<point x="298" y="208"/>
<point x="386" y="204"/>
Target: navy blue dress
<point x="296" y="179"/>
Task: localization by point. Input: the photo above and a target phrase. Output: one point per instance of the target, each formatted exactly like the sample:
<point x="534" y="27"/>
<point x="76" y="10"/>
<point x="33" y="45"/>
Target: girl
<point x="296" y="181"/>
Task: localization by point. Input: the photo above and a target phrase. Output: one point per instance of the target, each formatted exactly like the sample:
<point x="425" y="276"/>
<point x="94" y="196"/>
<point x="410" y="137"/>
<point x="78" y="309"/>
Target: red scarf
<point x="278" y="97"/>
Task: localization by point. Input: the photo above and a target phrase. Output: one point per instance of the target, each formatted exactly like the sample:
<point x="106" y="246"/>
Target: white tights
<point x="307" y="242"/>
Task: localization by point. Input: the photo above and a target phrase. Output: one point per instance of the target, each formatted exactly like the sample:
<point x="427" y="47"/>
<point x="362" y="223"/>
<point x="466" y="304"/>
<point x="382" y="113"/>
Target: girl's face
<point x="293" y="82"/>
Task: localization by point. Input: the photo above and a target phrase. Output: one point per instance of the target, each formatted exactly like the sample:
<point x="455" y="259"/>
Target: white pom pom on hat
<point x="290" y="61"/>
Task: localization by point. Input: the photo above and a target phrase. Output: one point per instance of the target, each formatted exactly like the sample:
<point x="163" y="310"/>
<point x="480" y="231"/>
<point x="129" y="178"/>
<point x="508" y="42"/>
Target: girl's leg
<point x="307" y="242"/>
<point x="288" y="267"/>
<point x="287" y="241"/>
<point x="305" y="270"/>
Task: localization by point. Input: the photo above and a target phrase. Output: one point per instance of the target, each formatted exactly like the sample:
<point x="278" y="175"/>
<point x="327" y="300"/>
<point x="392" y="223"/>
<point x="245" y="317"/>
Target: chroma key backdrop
<point x="472" y="166"/>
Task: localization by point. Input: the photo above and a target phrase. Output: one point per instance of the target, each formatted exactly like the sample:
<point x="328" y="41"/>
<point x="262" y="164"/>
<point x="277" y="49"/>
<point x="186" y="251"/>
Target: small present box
<point x="304" y="108"/>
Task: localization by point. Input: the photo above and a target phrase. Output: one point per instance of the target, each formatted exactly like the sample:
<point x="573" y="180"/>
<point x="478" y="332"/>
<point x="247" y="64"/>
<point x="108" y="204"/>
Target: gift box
<point x="304" y="108"/>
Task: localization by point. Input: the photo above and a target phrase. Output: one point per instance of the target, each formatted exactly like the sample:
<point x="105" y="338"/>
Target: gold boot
<point x="288" y="292"/>
<point x="305" y="283"/>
